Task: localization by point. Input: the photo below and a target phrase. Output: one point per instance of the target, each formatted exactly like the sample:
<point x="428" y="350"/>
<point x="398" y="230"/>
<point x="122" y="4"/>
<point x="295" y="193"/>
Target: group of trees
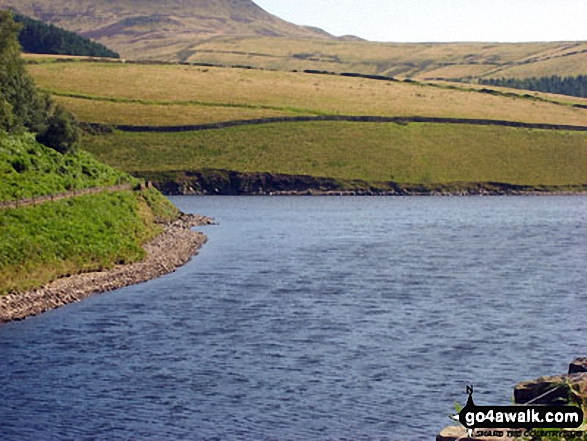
<point x="42" y="38"/>
<point x="573" y="86"/>
<point x="22" y="106"/>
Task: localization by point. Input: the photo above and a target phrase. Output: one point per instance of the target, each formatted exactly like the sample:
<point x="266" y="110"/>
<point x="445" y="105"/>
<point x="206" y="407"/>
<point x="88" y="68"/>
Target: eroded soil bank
<point x="230" y="182"/>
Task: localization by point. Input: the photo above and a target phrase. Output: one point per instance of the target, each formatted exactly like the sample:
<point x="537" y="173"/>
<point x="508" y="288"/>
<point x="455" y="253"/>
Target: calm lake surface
<point x="312" y="319"/>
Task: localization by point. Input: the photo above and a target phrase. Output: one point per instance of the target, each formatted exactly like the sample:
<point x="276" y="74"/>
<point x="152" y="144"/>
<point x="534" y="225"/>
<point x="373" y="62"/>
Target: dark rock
<point x="578" y="366"/>
<point x="556" y="390"/>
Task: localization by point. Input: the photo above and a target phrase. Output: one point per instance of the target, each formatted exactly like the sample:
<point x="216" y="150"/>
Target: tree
<point x="572" y="86"/>
<point x="21" y="105"/>
<point x="62" y="132"/>
<point x="41" y="38"/>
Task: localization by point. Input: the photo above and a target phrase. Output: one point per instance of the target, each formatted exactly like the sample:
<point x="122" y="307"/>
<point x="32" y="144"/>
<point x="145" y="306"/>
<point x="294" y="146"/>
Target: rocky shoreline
<point x="164" y="254"/>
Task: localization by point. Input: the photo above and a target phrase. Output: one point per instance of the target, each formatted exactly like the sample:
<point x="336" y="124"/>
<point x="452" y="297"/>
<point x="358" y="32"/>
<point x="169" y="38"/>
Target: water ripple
<point x="312" y="318"/>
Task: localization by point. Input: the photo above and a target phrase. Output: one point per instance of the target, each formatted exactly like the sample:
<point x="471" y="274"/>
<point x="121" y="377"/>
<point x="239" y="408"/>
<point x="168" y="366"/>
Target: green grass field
<point x="373" y="152"/>
<point x="41" y="243"/>
<point x="67" y="237"/>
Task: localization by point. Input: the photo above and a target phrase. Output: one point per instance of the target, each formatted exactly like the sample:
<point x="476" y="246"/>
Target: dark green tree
<point x="572" y="86"/>
<point x="62" y="133"/>
<point x="21" y="105"/>
<point x="41" y="38"/>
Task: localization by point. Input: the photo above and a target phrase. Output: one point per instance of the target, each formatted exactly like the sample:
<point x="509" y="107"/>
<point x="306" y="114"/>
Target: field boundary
<point x="37" y="200"/>
<point x="97" y="127"/>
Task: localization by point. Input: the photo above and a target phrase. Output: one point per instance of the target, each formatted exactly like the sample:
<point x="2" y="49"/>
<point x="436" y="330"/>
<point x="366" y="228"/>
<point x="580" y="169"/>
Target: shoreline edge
<point x="171" y="249"/>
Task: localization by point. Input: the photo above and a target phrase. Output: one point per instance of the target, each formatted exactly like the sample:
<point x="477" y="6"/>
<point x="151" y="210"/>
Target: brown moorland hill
<point x="160" y="29"/>
<point x="423" y="61"/>
<point x="238" y="32"/>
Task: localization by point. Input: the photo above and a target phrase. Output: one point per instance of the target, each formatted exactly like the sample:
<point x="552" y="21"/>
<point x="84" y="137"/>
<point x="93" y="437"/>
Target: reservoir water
<point x="312" y="319"/>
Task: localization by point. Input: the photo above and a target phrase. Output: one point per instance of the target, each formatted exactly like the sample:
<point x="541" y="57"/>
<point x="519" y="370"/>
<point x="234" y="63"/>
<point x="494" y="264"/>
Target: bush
<point x="6" y="115"/>
<point x="62" y="132"/>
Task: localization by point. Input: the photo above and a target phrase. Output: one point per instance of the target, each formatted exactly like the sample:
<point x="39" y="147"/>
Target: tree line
<point x="572" y="86"/>
<point x="38" y="37"/>
<point x="22" y="106"/>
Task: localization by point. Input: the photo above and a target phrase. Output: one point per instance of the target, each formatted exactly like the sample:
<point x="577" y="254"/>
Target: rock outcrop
<point x="558" y="390"/>
<point x="164" y="254"/>
<point x="578" y="366"/>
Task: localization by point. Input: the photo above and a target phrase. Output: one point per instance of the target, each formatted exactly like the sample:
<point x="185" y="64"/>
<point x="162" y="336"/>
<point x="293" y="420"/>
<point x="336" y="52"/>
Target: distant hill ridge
<point x="160" y="28"/>
<point x="240" y="33"/>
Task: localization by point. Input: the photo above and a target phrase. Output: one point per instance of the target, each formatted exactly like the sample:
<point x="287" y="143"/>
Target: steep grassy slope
<point x="41" y="243"/>
<point x="238" y="32"/>
<point x="404" y="60"/>
<point x="29" y="169"/>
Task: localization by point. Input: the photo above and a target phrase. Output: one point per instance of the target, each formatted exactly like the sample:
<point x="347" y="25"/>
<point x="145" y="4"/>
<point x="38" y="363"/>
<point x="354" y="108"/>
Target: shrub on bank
<point x="29" y="169"/>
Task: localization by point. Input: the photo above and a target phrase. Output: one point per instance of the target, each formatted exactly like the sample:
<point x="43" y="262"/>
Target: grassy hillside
<point x="172" y="95"/>
<point x="238" y="32"/>
<point x="403" y="60"/>
<point x="30" y="169"/>
<point x="371" y="152"/>
<point x="134" y="94"/>
<point x="56" y="238"/>
<point x="41" y="243"/>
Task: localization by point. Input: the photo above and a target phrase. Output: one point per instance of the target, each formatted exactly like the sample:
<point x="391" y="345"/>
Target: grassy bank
<point x="30" y="169"/>
<point x="41" y="243"/>
<point x="372" y="152"/>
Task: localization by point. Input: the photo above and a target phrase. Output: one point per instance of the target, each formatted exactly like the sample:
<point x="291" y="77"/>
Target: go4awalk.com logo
<point x="475" y="417"/>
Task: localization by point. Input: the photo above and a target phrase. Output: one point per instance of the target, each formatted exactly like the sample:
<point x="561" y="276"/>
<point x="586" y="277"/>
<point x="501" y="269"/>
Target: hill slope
<point x="159" y="29"/>
<point x="403" y="60"/>
<point x="294" y="154"/>
<point x="238" y="32"/>
<point x="39" y="243"/>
